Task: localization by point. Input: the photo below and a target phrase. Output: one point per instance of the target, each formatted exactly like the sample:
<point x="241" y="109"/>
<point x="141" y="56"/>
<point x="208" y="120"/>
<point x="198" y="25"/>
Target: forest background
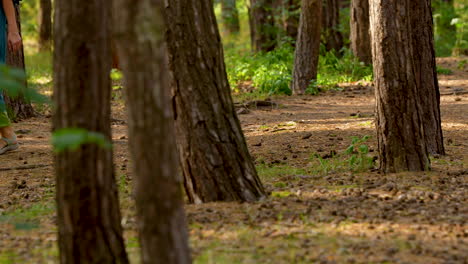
<point x="280" y="229"/>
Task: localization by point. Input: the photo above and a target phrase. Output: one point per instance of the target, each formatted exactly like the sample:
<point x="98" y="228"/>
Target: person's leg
<point x="6" y="131"/>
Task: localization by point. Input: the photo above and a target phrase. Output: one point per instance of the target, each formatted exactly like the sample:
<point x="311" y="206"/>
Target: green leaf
<point x="73" y="138"/>
<point x="364" y="149"/>
<point x="350" y="149"/>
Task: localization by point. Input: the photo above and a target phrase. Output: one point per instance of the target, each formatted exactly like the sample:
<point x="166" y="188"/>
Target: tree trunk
<point x="360" y="30"/>
<point x="88" y="213"/>
<point x="426" y="74"/>
<point x="18" y="107"/>
<point x="332" y="38"/>
<point x="45" y="23"/>
<point x="263" y="31"/>
<point x="230" y="16"/>
<point x="161" y="219"/>
<point x="307" y="46"/>
<point x="292" y="18"/>
<point x="400" y="129"/>
<point x="213" y="153"/>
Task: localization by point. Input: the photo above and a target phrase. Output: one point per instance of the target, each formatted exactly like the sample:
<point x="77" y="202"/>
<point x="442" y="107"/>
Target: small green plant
<point x="358" y="151"/>
<point x="444" y="71"/>
<point x="461" y="64"/>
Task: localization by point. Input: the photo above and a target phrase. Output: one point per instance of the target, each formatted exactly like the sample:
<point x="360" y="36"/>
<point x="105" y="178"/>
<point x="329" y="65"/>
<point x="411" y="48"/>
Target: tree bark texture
<point x="161" y="220"/>
<point x="45" y="24"/>
<point x="426" y="74"/>
<point x="360" y="31"/>
<point x="332" y="37"/>
<point x="400" y="127"/>
<point x="88" y="213"/>
<point x="263" y="31"/>
<point x="307" y="46"/>
<point x="230" y="16"/>
<point x="18" y="107"/>
<point x="213" y="153"/>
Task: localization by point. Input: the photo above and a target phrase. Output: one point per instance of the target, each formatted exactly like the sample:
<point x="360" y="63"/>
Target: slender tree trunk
<point x="230" y="16"/>
<point x="307" y="46"/>
<point x="292" y="18"/>
<point x="360" y="30"/>
<point x="161" y="219"/>
<point x="426" y="74"/>
<point x="88" y="213"/>
<point x="263" y="30"/>
<point x="332" y="38"/>
<point x="45" y="24"/>
<point x="18" y="107"/>
<point x="400" y="110"/>
<point x="214" y="157"/>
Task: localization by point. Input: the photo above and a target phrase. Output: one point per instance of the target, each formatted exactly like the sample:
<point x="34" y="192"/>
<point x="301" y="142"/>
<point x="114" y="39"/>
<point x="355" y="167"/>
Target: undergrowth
<point x="271" y="73"/>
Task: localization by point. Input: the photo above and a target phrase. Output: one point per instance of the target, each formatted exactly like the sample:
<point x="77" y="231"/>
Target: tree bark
<point x="332" y="38"/>
<point x="18" y="107"/>
<point x="360" y="31"/>
<point x="263" y="30"/>
<point x="45" y="24"/>
<point x="213" y="153"/>
<point x="161" y="219"/>
<point x="88" y="213"/>
<point x="400" y="127"/>
<point x="307" y="46"/>
<point x="230" y="16"/>
<point x="426" y="74"/>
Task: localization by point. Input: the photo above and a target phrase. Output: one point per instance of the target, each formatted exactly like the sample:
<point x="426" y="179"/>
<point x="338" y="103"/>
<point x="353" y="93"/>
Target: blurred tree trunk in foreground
<point x="88" y="215"/>
<point x="161" y="220"/>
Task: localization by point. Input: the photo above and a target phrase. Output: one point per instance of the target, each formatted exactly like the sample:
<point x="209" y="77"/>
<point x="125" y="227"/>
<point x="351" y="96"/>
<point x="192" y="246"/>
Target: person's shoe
<point x="11" y="144"/>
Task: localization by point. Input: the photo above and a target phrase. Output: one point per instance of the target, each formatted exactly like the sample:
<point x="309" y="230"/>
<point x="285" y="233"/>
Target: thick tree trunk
<point x="332" y="38"/>
<point x="161" y="219"/>
<point x="292" y="18"/>
<point x="230" y="16"/>
<point x="263" y="30"/>
<point x="307" y="46"/>
<point x="426" y="74"/>
<point x="213" y="153"/>
<point x="88" y="213"/>
<point x="45" y="24"/>
<point x="18" y="107"/>
<point x="360" y="31"/>
<point x="400" y="127"/>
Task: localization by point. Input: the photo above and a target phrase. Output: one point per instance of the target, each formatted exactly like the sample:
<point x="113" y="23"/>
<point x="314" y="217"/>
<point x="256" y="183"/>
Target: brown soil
<point x="320" y="211"/>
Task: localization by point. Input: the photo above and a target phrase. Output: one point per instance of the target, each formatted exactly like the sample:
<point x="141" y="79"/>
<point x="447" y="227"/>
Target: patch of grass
<point x="356" y="158"/>
<point x="8" y="257"/>
<point x="28" y="218"/>
<point x="444" y="71"/>
<point x="281" y="194"/>
<point x="270" y="173"/>
<point x="271" y="73"/>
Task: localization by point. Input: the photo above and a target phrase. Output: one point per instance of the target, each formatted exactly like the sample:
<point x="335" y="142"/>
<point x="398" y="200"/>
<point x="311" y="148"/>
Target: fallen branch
<point x="26" y="167"/>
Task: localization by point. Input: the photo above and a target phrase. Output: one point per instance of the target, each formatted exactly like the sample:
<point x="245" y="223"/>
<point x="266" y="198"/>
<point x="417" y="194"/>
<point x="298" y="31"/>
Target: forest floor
<point x="321" y="208"/>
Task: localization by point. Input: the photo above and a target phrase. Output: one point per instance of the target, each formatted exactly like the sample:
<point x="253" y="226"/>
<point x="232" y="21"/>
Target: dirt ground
<point x="319" y="210"/>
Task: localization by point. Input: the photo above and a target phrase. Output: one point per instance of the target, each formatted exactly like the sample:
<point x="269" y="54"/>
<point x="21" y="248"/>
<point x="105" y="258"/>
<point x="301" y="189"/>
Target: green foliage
<point x="27" y="218"/>
<point x="444" y="71"/>
<point x="450" y="22"/>
<point x="358" y="151"/>
<point x="12" y="82"/>
<point x="29" y="21"/>
<point x="270" y="73"/>
<point x="70" y="139"/>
